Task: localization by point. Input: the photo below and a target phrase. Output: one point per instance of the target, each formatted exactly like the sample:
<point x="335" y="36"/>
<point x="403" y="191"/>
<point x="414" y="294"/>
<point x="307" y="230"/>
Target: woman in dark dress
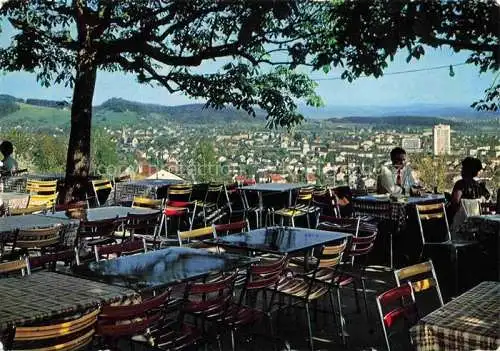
<point x="467" y="187"/>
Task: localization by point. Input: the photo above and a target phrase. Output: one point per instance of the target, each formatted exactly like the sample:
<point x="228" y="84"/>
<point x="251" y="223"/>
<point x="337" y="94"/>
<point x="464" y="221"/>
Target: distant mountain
<point x="398" y="120"/>
<point x="426" y="110"/>
<point x="192" y="113"/>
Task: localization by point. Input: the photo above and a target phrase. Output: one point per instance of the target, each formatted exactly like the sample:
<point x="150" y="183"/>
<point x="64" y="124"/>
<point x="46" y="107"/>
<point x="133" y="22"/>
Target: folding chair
<point x="69" y="334"/>
<point x="404" y="300"/>
<point x="21" y="265"/>
<point x="101" y="188"/>
<point x="436" y="236"/>
<point x="194" y="238"/>
<point x="422" y="277"/>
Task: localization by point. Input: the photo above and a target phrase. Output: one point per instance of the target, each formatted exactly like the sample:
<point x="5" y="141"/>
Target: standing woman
<point x="9" y="164"/>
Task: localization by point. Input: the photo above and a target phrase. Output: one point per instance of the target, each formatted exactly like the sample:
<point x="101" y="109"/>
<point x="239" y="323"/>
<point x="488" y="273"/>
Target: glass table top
<point x="102" y="213"/>
<point x="410" y="199"/>
<point x="280" y="240"/>
<point x="160" y="268"/>
<point x="274" y="186"/>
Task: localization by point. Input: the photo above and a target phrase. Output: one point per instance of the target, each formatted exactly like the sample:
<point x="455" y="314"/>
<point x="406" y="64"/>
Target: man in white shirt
<point x="396" y="178"/>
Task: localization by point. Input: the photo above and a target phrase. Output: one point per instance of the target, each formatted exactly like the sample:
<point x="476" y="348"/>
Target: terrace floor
<point x="292" y="325"/>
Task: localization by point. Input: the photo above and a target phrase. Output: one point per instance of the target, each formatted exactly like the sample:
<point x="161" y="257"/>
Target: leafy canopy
<point x="257" y="43"/>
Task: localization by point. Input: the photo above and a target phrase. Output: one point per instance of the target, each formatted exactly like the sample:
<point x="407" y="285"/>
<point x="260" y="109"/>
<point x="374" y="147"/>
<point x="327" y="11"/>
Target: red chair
<point x="405" y="309"/>
<point x="209" y="301"/>
<point x="147" y="318"/>
<point x="49" y="260"/>
<point x="260" y="278"/>
<point x="231" y="228"/>
<point x="129" y="247"/>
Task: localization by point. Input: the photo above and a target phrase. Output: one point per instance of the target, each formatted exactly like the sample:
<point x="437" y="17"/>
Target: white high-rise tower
<point x="442" y="136"/>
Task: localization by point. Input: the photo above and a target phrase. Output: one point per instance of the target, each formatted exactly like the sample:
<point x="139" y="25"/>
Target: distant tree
<point x="330" y="157"/>
<point x="206" y="167"/>
<point x="262" y="41"/>
<point x="49" y="153"/>
<point x="104" y="154"/>
<point x="432" y="171"/>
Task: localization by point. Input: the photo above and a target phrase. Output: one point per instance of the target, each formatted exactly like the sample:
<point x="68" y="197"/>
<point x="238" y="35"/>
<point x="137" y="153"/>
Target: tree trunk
<point x="78" y="159"/>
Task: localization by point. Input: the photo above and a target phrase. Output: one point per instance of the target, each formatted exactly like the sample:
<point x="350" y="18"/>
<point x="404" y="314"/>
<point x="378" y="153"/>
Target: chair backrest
<point x="145" y="224"/>
<point x="49" y="261"/>
<point x="145" y="202"/>
<point x="26" y="210"/>
<point x="42" y="187"/>
<point x="327" y="204"/>
<point x="101" y="228"/>
<point x="330" y="256"/>
<point x="68" y="335"/>
<point x="209" y="298"/>
<point x="130" y="247"/>
<point x="234" y="198"/>
<point x="262" y="276"/>
<point x="422" y="276"/>
<point x="361" y="245"/>
<point x="305" y="195"/>
<point x="432" y="221"/>
<point x="21" y="265"/>
<point x="179" y="192"/>
<point x="132" y="319"/>
<point x="348" y="225"/>
<point x="213" y="193"/>
<point x="195" y="235"/>
<point x="403" y="299"/>
<point x="231" y="228"/>
<point x="38" y="237"/>
<point x="472" y="207"/>
<point x="102" y="188"/>
<point x="48" y="201"/>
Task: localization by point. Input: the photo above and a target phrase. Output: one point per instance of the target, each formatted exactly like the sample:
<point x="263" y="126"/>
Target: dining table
<point x="11" y="224"/>
<point x="45" y="295"/>
<point x="104" y="212"/>
<point x="13" y="199"/>
<point x="279" y="240"/>
<point x="469" y="322"/>
<point x="160" y="268"/>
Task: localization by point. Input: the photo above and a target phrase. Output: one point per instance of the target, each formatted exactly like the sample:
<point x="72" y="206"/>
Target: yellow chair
<point x="68" y="335"/>
<point x="21" y="264"/>
<point x="193" y="238"/>
<point x="144" y="202"/>
<point x="323" y="280"/>
<point x="302" y="207"/>
<point x="48" y="201"/>
<point x="416" y="275"/>
<point x="101" y="188"/>
<point x="26" y="210"/>
<point x="41" y="187"/>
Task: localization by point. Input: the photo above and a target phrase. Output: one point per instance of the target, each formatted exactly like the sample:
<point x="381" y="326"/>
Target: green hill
<point x="112" y="113"/>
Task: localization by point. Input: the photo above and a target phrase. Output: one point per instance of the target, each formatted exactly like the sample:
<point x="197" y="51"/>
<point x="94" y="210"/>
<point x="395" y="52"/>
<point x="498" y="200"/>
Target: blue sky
<point x="428" y="87"/>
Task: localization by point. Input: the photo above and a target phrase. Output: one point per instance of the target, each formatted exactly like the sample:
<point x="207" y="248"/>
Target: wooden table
<point x="45" y="295"/>
<point x="469" y="322"/>
<point x="13" y="200"/>
<point x="9" y="225"/>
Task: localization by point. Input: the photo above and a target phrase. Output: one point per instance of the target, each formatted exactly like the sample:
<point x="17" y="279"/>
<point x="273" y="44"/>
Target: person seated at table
<point x="8" y="164"/>
<point x="467" y="187"/>
<point x="396" y="178"/>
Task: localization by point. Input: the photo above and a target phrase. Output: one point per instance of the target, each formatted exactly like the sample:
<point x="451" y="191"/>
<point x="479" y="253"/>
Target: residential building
<point x="442" y="136"/>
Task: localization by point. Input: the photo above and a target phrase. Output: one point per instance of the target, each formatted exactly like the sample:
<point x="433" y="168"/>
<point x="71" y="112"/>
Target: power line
<point x="400" y="72"/>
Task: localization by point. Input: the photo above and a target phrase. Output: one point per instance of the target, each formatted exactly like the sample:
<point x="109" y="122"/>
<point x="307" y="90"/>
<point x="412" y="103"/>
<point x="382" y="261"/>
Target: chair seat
<point x="290" y="212"/>
<point x="168" y="338"/>
<point x="236" y="316"/>
<point x="298" y="287"/>
<point x="100" y="241"/>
